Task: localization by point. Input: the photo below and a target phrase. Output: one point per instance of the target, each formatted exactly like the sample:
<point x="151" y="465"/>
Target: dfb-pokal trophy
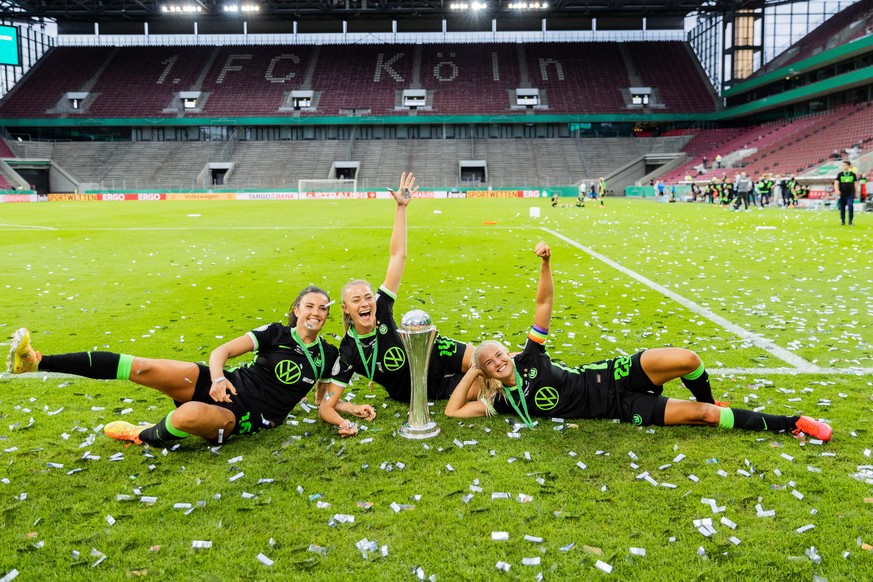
<point x="417" y="332"/>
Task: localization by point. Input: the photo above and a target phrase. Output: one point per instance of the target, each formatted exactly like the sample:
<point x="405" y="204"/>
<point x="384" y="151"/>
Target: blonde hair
<point x="347" y="319"/>
<point x="489" y="388"/>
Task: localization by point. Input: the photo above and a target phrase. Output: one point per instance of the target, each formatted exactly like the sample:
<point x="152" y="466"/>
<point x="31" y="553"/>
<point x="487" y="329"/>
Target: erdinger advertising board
<point x="503" y="193"/>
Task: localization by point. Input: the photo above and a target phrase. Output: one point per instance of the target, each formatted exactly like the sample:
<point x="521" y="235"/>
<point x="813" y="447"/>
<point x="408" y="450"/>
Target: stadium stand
<point x="472" y="79"/>
<point x="251" y="81"/>
<point x="511" y="162"/>
<point x="347" y="78"/>
<point x="141" y="81"/>
<point x="58" y="72"/>
<point x="850" y="24"/>
<point x="5" y="150"/>
<point x="792" y="147"/>
<point x="671" y="68"/>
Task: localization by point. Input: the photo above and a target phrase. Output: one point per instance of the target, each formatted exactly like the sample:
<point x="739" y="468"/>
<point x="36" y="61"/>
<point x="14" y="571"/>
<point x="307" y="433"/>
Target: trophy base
<point x="419" y="432"/>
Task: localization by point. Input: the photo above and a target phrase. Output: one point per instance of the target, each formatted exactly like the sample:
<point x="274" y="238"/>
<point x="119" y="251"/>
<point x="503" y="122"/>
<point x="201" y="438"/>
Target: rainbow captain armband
<point x="538" y="334"/>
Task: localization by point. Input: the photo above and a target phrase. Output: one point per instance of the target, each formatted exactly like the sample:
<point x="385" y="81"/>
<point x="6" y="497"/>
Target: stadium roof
<point x="153" y="10"/>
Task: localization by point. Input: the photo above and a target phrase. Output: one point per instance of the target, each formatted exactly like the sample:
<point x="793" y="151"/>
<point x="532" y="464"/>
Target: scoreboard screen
<point x="9" y="50"/>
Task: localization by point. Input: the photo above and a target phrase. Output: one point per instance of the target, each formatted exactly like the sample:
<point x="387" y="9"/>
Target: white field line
<point x="801" y="365"/>
<point x="24" y="227"/>
<point x="788" y="371"/>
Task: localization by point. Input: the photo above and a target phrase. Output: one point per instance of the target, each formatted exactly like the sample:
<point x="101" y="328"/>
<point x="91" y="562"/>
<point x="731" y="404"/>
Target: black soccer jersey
<point x="847" y="179"/>
<point x="390" y="369"/>
<point x="280" y="374"/>
<point x="553" y="390"/>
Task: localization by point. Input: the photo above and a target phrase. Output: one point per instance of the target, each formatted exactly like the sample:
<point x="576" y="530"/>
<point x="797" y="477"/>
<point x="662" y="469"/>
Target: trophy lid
<point x="416" y="321"/>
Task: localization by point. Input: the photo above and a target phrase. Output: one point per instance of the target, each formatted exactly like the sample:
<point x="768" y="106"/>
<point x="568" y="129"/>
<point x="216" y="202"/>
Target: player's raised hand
<point x="406" y="190"/>
<point x="542" y="250"/>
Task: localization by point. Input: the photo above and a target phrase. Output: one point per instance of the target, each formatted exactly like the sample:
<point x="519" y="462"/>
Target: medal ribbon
<point x="372" y="370"/>
<point x="518" y="385"/>
<point x="315" y="369"/>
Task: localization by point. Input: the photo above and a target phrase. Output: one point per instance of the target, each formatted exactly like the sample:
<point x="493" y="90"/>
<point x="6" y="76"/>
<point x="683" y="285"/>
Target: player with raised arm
<point x="372" y="347"/>
<point x="628" y="387"/>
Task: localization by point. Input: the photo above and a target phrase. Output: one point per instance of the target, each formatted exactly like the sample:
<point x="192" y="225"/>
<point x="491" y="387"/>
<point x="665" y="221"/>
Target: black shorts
<point x="246" y="421"/>
<point x="639" y="399"/>
<point x="444" y="372"/>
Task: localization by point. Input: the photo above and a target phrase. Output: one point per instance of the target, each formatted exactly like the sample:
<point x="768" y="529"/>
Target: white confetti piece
<point x="603" y="566"/>
<point x="344" y="518"/>
<point x="725" y="521"/>
<point x="503" y="566"/>
<point x="535" y="561"/>
<point x="804" y="528"/>
<point x="534" y="539"/>
<point x="234" y="460"/>
<point x="239" y="475"/>
<point x="499" y="536"/>
<point x="734" y="540"/>
<point x="786" y="456"/>
<point x="500" y="495"/>
<point x="265" y="560"/>
<point x="449" y="468"/>
<point x="797" y="493"/>
<point x="694" y="478"/>
<point x="638" y="551"/>
<point x="13" y="574"/>
<point x="201" y="544"/>
<point x="110" y="520"/>
<point x="522" y="498"/>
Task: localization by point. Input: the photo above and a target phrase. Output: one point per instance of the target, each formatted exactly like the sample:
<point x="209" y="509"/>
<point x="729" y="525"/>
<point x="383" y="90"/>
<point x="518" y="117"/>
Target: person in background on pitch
<point x="601" y="190"/>
<point x="846" y="185"/>
<point x="213" y="402"/>
<point x="627" y="387"/>
<point x="371" y="346"/>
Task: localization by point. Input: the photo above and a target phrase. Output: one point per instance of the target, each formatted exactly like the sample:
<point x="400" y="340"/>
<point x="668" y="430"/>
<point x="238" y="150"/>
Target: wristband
<point x="219" y="380"/>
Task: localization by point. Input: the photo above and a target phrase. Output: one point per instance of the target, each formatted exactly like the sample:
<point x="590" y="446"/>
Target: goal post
<point x="335" y="185"/>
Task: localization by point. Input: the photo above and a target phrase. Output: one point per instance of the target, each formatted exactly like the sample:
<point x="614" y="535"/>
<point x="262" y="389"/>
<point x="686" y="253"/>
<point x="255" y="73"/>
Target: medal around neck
<point x="417" y="332"/>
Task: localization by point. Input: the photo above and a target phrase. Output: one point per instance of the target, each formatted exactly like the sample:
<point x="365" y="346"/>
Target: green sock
<point x="162" y="432"/>
<point x="726" y="420"/>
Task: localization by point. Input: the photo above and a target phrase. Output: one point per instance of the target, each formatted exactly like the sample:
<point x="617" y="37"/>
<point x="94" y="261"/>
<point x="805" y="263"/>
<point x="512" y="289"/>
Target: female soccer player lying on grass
<point x="212" y="402"/>
<point x="372" y="346"/>
<point x="628" y="387"/>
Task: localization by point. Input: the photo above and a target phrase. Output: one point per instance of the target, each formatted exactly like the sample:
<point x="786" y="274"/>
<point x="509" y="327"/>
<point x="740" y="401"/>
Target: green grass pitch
<point x="777" y="303"/>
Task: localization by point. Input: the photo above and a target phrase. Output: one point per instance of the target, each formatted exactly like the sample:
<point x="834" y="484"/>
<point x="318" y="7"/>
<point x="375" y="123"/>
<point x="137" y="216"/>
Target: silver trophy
<point x="417" y="332"/>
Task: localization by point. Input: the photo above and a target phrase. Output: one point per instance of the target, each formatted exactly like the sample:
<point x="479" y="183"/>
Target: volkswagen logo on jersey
<point x="287" y="372"/>
<point x="546" y="398"/>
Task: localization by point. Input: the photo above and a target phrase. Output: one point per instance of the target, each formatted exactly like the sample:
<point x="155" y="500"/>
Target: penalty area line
<point x="757" y="340"/>
<point x="788" y="371"/>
